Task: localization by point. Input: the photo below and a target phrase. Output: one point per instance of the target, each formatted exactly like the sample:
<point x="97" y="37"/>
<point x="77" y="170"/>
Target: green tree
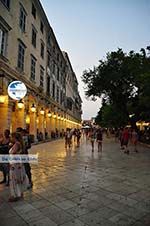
<point x="123" y="80"/>
<point x="110" y="116"/>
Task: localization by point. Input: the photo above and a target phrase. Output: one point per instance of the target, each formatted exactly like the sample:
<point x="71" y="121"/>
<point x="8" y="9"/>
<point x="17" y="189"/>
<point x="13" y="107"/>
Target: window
<point x="49" y="41"/>
<point x="58" y="56"/>
<point x="6" y="3"/>
<point x="61" y="63"/>
<point x="33" y="67"/>
<point x="61" y="97"/>
<point x="58" y="74"/>
<point x="21" y="53"/>
<point x="34" y="36"/>
<point x="41" y="76"/>
<point x="42" y="50"/>
<point x="3" y="41"/>
<point x="53" y="90"/>
<point x="57" y="94"/>
<point x="33" y="11"/>
<point x="48" y="85"/>
<point x="22" y="19"/>
<point x="41" y="27"/>
<point x="48" y="59"/>
<point x="53" y="67"/>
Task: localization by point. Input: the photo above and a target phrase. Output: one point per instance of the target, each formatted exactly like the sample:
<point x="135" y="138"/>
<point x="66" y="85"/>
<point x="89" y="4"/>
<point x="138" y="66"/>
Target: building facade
<point x="29" y="52"/>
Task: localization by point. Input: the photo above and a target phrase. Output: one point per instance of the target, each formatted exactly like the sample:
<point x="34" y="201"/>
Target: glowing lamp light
<point x="131" y="115"/>
<point x="27" y="119"/>
<point x="33" y="108"/>
<point x="49" y="114"/>
<point x="2" y="99"/>
<point x="20" y="104"/>
<point x="58" y="116"/>
<point x="54" y="116"/>
<point x="42" y="111"/>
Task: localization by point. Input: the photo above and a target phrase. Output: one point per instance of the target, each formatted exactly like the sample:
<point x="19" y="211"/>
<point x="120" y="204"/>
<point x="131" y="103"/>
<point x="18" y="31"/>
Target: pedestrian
<point x="92" y="138"/>
<point x="87" y="134"/>
<point x="120" y="138"/>
<point x="74" y="135"/>
<point x="68" y="138"/>
<point x="18" y="178"/>
<point x="78" y="135"/>
<point x="134" y="139"/>
<point x="125" y="140"/>
<point x="4" y="150"/>
<point x="116" y="134"/>
<point x="99" y="138"/>
<point x="26" y="147"/>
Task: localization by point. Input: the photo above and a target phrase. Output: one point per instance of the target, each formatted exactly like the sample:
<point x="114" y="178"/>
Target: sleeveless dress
<point x="18" y="178"/>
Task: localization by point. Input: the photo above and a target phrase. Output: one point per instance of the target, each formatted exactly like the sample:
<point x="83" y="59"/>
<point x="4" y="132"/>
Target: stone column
<point x="41" y="124"/>
<point x="48" y="125"/>
<point x="18" y="117"/>
<point x="33" y="125"/>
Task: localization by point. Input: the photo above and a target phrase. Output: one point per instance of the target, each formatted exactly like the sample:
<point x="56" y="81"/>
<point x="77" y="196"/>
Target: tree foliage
<point x="123" y="80"/>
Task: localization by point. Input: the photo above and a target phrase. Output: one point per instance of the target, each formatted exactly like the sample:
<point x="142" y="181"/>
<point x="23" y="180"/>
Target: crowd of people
<point x="93" y="134"/>
<point x="126" y="135"/>
<point x="69" y="134"/>
<point x="18" y="175"/>
<point x="15" y="175"/>
<point x="123" y="135"/>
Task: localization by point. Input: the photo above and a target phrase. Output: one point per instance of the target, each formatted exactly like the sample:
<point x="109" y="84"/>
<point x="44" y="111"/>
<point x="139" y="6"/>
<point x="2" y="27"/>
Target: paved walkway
<point x="78" y="188"/>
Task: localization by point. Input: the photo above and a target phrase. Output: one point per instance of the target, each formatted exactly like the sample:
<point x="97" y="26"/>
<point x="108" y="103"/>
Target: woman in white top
<point x="18" y="178"/>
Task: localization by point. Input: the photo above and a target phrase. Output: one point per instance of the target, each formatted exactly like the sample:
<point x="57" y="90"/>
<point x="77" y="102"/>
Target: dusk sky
<point x="88" y="29"/>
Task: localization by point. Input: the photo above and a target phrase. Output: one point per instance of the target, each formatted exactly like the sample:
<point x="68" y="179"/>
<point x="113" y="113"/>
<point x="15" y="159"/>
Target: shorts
<point x="125" y="142"/>
<point x="99" y="141"/>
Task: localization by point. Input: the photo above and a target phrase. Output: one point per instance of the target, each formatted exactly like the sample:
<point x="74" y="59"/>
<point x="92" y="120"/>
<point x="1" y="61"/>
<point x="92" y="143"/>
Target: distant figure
<point x="134" y="139"/>
<point x="4" y="149"/>
<point x="86" y="134"/>
<point x="74" y="135"/>
<point x="125" y="140"/>
<point x="92" y="138"/>
<point x="120" y="138"/>
<point x="78" y="135"/>
<point x="116" y="134"/>
<point x="99" y="138"/>
<point x="68" y="138"/>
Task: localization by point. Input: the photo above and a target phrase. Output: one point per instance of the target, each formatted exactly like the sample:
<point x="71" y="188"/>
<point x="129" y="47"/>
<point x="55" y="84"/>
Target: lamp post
<point x="20" y="104"/>
<point x="33" y="108"/>
<point x="42" y="111"/>
<point x="49" y="114"/>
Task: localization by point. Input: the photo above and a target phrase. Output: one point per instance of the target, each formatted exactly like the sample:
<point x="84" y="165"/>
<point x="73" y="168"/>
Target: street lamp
<point x="20" y="104"/>
<point x="49" y="114"/>
<point x="2" y="99"/>
<point x="54" y="115"/>
<point x="33" y="108"/>
<point x="42" y="111"/>
<point x="130" y="116"/>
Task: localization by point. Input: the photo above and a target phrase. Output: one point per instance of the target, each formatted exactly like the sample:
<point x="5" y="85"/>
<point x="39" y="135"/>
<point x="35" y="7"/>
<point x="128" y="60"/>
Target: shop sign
<point x="17" y="90"/>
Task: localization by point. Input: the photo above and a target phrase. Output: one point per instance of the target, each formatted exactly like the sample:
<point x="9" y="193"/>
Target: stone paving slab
<point x="80" y="188"/>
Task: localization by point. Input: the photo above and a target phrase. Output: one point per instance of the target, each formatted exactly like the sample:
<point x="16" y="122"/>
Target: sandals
<point x="13" y="199"/>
